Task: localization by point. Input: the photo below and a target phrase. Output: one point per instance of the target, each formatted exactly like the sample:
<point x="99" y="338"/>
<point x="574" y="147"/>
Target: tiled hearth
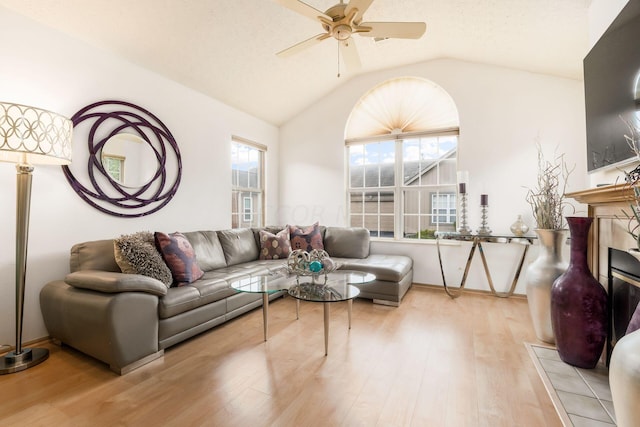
<point x="581" y="396"/>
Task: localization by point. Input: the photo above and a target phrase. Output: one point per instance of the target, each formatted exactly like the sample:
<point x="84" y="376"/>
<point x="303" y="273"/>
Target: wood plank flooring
<point x="433" y="361"/>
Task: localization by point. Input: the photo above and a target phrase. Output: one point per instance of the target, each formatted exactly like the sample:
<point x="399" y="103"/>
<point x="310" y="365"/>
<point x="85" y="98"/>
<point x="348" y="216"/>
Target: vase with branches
<point x="547" y="201"/>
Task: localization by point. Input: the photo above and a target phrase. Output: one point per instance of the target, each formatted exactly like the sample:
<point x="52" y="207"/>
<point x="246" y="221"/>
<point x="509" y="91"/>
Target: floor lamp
<point x="28" y="136"/>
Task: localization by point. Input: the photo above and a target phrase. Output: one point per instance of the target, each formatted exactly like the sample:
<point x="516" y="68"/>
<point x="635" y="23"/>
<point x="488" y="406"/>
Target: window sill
<point x="428" y="242"/>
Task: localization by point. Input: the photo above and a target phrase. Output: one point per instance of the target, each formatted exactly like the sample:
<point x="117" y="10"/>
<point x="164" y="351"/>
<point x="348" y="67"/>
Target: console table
<point x="477" y="241"/>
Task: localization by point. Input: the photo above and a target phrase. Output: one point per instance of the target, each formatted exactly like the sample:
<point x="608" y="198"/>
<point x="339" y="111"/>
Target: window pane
<point x="447" y="172"/>
<point x="246" y="164"/>
<point x="377" y="165"/>
<point x="356" y="221"/>
<point x="356" y="205"/>
<point x="356" y="166"/>
<point x="412" y="202"/>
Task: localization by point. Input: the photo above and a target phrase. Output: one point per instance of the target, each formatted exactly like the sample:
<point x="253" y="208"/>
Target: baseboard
<point x="386" y="302"/>
<point x="466" y="290"/>
<point x="6" y="348"/>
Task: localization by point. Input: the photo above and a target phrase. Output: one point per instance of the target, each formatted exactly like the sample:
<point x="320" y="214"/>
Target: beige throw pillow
<point x="137" y="254"/>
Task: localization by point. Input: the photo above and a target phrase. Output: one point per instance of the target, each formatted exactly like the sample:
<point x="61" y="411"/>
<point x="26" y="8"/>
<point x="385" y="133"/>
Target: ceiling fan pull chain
<point x="338" y="44"/>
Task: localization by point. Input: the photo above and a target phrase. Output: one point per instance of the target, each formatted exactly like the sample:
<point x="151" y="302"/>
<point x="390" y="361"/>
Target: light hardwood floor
<point x="431" y="362"/>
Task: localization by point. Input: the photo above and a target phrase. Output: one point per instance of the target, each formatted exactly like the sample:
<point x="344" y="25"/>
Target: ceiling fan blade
<point x="361" y="5"/>
<point x="303" y="9"/>
<point x="303" y="45"/>
<point x="396" y="30"/>
<point x="350" y="55"/>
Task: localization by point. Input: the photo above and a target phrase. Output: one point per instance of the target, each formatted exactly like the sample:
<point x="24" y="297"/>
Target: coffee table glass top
<point x="262" y="284"/>
<point x="336" y="286"/>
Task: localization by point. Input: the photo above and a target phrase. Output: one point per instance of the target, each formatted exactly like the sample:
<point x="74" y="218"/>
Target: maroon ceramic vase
<point x="579" y="304"/>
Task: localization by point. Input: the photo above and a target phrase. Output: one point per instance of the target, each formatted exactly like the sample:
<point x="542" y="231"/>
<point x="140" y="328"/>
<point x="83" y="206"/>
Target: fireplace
<point x="624" y="294"/>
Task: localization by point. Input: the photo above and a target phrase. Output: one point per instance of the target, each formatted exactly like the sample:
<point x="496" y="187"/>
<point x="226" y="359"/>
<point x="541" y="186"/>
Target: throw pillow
<point x="179" y="255"/>
<point x="275" y="246"/>
<point x="306" y="238"/>
<point x="137" y="254"/>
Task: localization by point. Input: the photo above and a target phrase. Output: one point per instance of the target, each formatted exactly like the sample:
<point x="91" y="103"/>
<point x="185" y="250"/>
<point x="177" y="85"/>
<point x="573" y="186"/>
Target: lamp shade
<point x="34" y="136"/>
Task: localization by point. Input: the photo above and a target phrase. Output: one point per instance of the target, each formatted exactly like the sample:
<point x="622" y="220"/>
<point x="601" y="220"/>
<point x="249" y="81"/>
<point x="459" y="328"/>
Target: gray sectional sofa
<point x="127" y="320"/>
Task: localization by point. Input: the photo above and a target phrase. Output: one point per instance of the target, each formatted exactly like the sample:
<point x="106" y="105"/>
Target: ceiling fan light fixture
<point x="341" y="32"/>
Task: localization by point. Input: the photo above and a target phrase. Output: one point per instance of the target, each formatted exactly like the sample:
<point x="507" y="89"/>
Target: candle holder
<point x="484" y="229"/>
<point x="464" y="227"/>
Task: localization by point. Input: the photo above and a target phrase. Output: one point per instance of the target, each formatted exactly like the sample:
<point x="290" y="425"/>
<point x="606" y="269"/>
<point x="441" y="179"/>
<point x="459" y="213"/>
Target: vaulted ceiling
<point x="226" y="48"/>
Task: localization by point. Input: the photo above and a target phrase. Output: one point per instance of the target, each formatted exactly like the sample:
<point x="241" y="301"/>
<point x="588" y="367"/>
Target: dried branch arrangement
<point x="633" y="179"/>
<point x="547" y="199"/>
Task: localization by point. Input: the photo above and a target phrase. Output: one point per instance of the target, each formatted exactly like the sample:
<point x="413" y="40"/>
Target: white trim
<point x="407" y="135"/>
<point x="248" y="142"/>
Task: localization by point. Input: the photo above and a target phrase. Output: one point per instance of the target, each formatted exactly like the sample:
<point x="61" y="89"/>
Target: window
<point x="247" y="180"/>
<point x="248" y="209"/>
<point x="402" y="144"/>
<point x="443" y="208"/>
<point x="415" y="206"/>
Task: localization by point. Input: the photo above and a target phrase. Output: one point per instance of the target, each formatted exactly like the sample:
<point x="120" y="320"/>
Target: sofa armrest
<point x="110" y="282"/>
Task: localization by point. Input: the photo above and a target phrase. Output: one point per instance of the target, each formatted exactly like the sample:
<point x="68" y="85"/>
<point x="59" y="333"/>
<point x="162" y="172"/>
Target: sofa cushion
<point x="306" y="238"/>
<point x="275" y="246"/>
<point x="93" y="255"/>
<point x="208" y="249"/>
<point x="137" y="254"/>
<point x="178" y="253"/>
<point x="347" y="242"/>
<point x="239" y="245"/>
<point x="182" y="299"/>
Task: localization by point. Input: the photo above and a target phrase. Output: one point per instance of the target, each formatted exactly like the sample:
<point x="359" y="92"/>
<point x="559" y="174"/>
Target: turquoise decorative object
<point x="315" y="266"/>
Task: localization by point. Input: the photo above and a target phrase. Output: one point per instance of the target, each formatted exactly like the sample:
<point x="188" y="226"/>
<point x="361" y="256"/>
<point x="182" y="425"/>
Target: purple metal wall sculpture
<point x="109" y="118"/>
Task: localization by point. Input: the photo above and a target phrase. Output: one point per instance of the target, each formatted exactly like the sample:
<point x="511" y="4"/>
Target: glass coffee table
<point x="334" y="287"/>
<point x="266" y="285"/>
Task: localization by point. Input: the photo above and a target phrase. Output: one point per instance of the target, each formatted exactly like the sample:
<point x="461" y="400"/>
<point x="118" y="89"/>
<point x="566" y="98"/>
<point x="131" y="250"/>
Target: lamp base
<point x="12" y="362"/>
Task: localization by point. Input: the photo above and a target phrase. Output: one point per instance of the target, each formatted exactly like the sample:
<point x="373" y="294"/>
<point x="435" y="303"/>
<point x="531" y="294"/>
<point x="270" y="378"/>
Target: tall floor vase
<point x="541" y="274"/>
<point x="579" y="304"/>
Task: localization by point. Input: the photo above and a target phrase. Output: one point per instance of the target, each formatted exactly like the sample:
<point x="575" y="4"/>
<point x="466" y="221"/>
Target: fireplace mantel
<point x="606" y="195"/>
<point x="609" y="227"/>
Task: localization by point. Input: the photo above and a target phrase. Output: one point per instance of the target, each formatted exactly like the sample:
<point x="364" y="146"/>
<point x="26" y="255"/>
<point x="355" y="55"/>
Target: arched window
<point x="402" y="142"/>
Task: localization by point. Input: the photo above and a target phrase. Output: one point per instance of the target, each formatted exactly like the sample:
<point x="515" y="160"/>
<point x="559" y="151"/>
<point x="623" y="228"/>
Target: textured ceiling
<point x="226" y="48"/>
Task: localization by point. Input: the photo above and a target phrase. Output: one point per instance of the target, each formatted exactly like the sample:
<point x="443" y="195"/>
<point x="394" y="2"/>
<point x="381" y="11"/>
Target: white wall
<point x="47" y="69"/>
<point x="502" y="114"/>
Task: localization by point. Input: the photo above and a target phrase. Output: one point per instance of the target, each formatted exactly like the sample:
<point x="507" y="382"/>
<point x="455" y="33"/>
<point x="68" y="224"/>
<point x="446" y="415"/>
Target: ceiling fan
<point x="343" y="20"/>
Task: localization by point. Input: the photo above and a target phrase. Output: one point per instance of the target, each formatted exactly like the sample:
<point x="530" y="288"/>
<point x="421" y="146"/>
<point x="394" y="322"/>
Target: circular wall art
<point x="133" y="165"/>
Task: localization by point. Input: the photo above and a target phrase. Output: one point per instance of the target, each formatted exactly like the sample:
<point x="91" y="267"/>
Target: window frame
<point x="399" y="188"/>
